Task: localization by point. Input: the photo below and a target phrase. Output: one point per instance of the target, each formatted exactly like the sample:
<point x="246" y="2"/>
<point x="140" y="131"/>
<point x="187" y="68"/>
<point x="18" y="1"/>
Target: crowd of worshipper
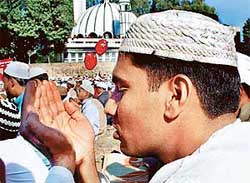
<point x="89" y="93"/>
<point x="181" y="93"/>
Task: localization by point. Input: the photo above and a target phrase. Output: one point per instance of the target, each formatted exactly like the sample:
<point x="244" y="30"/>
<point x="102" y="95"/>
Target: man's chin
<point x="127" y="151"/>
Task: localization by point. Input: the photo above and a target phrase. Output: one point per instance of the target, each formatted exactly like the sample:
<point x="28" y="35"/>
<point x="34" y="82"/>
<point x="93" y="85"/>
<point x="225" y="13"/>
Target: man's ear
<point x="12" y="82"/>
<point x="243" y="96"/>
<point x="179" y="91"/>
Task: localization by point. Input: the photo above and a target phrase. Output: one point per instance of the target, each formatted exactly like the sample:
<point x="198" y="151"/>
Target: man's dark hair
<point x="21" y="82"/>
<point x="218" y="86"/>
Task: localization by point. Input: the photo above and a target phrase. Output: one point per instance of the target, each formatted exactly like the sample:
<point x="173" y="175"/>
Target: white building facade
<point x="108" y="21"/>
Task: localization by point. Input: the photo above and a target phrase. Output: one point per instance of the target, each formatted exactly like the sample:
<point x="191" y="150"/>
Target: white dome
<point x="103" y="18"/>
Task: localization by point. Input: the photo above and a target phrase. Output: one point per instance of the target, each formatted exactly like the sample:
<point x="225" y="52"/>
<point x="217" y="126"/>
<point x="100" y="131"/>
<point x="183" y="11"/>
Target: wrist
<point x="86" y="169"/>
<point x="67" y="160"/>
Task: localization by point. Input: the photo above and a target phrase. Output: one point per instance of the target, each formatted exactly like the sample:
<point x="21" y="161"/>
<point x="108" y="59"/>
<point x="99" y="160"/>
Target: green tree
<point x="200" y="6"/>
<point x="140" y="7"/>
<point x="196" y="6"/>
<point x="41" y="25"/>
<point x="161" y="5"/>
<point x="246" y="37"/>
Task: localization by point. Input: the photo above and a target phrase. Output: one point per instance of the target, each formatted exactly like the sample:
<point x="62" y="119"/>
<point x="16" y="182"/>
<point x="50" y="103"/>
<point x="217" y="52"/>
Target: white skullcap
<point x="182" y="35"/>
<point x="72" y="82"/>
<point x="101" y="85"/>
<point x="244" y="68"/>
<point x="18" y="70"/>
<point x="86" y="85"/>
<point x="36" y="71"/>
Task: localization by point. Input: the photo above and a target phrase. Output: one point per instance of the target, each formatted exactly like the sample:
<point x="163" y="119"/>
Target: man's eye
<point x="118" y="93"/>
<point x="122" y="89"/>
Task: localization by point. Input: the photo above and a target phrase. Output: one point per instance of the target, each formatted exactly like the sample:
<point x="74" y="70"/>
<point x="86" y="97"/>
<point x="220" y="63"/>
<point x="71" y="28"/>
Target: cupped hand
<point x="44" y="109"/>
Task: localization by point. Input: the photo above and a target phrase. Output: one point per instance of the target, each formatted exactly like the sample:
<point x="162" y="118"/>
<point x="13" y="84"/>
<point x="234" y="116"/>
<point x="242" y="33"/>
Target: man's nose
<point x="110" y="107"/>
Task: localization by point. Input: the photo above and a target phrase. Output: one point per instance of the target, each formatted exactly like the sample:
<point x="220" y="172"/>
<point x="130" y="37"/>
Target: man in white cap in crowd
<point x="78" y="81"/>
<point x="244" y="70"/>
<point x="102" y="95"/>
<point x="71" y="92"/>
<point x="101" y="92"/>
<point x="176" y="97"/>
<point x="15" y="77"/>
<point x="38" y="73"/>
<point x="91" y="107"/>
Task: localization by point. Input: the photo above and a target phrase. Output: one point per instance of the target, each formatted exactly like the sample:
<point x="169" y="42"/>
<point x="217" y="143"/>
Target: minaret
<point x="125" y="7"/>
<point x="79" y="8"/>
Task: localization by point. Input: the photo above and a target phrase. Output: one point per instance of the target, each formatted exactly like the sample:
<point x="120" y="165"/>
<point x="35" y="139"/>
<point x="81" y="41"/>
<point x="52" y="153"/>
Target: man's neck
<point x="192" y="134"/>
<point x="19" y="91"/>
<point x="203" y="132"/>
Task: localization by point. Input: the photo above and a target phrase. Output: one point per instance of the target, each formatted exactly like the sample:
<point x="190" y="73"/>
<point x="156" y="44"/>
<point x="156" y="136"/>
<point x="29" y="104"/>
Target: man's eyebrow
<point x="117" y="79"/>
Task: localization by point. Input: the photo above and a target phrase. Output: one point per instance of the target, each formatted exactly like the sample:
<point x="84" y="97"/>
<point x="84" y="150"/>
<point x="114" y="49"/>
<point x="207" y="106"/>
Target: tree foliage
<point x="44" y="25"/>
<point x="246" y="31"/>
<point x="246" y="37"/>
<point x="140" y="7"/>
<point x="198" y="6"/>
<point x="28" y="25"/>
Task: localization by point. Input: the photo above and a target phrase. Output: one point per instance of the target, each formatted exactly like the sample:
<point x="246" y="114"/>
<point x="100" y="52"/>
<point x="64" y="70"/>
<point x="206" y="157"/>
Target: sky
<point x="232" y="12"/>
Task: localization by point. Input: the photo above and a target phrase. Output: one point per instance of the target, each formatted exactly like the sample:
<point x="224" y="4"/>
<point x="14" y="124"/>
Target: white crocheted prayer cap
<point x="36" y="71"/>
<point x="86" y="85"/>
<point x="18" y="70"/>
<point x="244" y="68"/>
<point x="182" y="35"/>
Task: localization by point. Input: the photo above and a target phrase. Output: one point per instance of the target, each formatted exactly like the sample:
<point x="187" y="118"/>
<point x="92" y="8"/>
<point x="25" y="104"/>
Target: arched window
<point x="92" y="35"/>
<point x="107" y="35"/>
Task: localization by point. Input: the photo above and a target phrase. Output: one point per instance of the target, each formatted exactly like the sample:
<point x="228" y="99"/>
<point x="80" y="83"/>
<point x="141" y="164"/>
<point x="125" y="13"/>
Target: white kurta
<point x="224" y="158"/>
<point x="22" y="164"/>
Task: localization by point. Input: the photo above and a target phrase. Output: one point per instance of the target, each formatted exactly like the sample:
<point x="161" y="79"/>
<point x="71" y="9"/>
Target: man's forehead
<point x="120" y="69"/>
<point x="126" y="73"/>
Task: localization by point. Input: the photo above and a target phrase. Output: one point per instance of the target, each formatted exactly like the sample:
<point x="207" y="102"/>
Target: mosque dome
<point x="103" y="20"/>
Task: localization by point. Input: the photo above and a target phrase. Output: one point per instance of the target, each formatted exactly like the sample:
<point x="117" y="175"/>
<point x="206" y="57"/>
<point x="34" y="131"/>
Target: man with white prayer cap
<point x="91" y="107"/>
<point x="177" y="81"/>
<point x="176" y="97"/>
<point x="71" y="91"/>
<point x="15" y="77"/>
<point x="244" y="70"/>
<point x="38" y="73"/>
<point x="101" y="92"/>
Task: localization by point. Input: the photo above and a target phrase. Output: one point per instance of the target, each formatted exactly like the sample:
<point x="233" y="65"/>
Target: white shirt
<point x="21" y="162"/>
<point x="70" y="94"/>
<point x="58" y="174"/>
<point x="224" y="158"/>
<point x="90" y="110"/>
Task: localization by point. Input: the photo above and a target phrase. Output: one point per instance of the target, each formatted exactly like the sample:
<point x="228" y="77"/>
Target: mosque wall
<point x="73" y="69"/>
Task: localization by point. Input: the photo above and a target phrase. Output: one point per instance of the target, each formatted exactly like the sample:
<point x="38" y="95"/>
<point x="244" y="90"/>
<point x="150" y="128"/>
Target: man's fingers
<point x="51" y="100"/>
<point x="29" y="98"/>
<point x="57" y="97"/>
<point x="44" y="111"/>
<point x="37" y="96"/>
<point x="74" y="111"/>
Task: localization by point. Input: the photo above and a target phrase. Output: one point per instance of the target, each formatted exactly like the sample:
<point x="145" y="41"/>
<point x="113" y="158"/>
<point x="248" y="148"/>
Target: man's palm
<point x="44" y="100"/>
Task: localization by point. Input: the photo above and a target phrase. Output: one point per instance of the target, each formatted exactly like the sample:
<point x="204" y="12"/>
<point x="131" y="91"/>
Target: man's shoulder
<point x="227" y="150"/>
<point x="104" y="94"/>
<point x="90" y="103"/>
<point x="15" y="149"/>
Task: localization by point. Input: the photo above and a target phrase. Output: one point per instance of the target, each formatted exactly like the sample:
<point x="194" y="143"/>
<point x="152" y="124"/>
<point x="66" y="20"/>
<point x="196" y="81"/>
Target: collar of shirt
<point x="19" y="101"/>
